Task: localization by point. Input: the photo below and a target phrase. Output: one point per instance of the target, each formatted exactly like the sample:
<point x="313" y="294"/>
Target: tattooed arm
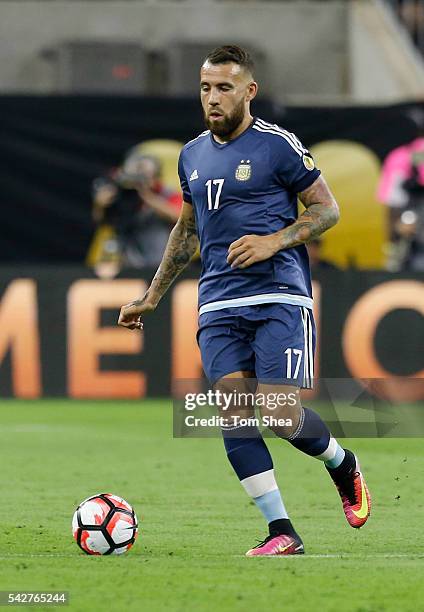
<point x="182" y="245"/>
<point x="321" y="213"/>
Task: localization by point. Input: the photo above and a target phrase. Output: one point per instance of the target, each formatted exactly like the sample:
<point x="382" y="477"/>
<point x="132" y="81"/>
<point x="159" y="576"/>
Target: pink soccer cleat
<point x="356" y="499"/>
<point x="275" y="545"/>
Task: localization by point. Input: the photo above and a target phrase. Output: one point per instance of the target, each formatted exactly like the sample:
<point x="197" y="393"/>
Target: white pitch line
<point x="366" y="556"/>
<point x="31" y="555"/>
<point x="346" y="556"/>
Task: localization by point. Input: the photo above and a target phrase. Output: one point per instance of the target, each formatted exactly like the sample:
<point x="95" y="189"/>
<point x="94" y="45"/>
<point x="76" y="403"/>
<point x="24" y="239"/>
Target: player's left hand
<point x="250" y="249"/>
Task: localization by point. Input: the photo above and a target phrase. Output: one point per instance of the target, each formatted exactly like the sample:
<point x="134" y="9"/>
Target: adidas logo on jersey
<point x="194" y="175"/>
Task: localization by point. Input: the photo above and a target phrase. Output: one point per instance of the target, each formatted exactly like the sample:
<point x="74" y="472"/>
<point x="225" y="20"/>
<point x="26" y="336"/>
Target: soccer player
<point x="240" y="181"/>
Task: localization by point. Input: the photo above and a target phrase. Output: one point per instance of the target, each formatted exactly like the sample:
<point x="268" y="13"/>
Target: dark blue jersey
<point x="248" y="185"/>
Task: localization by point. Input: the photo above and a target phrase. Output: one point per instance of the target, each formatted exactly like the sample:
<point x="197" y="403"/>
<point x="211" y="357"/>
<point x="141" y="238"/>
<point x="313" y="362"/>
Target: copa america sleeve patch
<point x="308" y="162"/>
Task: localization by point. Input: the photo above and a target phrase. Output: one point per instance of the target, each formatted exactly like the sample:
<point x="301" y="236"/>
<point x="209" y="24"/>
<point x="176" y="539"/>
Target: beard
<point x="229" y="123"/>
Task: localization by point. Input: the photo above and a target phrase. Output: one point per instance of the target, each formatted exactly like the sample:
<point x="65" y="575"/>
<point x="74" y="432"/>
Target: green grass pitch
<point x="195" y="520"/>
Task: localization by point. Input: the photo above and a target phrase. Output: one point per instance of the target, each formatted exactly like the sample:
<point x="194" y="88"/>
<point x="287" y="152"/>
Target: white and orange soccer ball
<point x="104" y="524"/>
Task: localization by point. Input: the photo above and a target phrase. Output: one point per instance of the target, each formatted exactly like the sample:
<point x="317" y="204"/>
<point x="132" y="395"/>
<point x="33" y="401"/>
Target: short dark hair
<point x="231" y="53"/>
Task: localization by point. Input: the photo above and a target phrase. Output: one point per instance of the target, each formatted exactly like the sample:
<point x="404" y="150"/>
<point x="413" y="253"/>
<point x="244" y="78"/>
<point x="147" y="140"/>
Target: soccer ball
<point x="104" y="524"/>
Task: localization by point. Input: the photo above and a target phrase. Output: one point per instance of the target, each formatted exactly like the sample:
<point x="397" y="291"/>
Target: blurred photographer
<point x="139" y="207"/>
<point x="401" y="188"/>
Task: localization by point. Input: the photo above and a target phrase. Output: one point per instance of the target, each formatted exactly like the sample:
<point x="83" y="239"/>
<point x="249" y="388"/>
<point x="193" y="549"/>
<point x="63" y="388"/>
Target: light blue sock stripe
<point x="337" y="459"/>
<point x="271" y="505"/>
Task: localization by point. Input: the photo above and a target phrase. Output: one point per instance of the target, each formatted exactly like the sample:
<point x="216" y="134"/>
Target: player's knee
<point x="282" y="425"/>
<point x="235" y="396"/>
<point x="283" y="418"/>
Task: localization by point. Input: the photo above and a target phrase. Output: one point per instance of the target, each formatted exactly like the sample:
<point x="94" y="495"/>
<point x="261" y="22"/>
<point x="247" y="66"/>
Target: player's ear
<point x="252" y="90"/>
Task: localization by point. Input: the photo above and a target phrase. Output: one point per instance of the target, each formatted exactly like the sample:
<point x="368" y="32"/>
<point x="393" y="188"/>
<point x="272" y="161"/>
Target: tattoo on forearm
<point x="314" y="221"/>
<point x="182" y="245"/>
<point x="321" y="213"/>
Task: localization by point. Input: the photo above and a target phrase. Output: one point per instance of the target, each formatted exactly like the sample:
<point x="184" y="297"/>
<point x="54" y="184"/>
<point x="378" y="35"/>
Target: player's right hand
<point x="130" y="315"/>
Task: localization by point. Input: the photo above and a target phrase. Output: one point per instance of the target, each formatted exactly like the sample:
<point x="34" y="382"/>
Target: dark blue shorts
<point x="275" y="341"/>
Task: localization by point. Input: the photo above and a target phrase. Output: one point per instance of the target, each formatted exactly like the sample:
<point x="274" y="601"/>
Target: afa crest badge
<point x="244" y="170"/>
